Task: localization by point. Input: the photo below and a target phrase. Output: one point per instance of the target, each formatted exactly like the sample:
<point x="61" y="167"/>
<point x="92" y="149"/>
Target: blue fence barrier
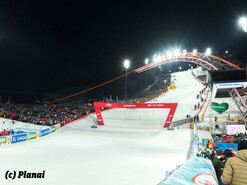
<point x="18" y="138"/>
<point x="44" y="132"/>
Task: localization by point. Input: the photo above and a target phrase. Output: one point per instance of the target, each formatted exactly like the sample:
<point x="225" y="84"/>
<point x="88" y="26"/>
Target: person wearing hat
<point x="235" y="171"/>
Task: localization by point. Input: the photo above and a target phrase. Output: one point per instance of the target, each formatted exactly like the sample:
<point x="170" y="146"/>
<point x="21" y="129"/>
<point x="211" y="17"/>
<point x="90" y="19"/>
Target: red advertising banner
<point x="171" y="106"/>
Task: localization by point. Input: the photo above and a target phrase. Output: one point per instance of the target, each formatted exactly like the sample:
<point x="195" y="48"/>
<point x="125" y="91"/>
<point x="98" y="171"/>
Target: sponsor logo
<point x="19" y="138"/>
<point x="204" y="179"/>
<point x="99" y="120"/>
<point x="44" y="132"/>
<point x="129" y="105"/>
<point x="168" y="122"/>
<point x="8" y="139"/>
<point x="156" y="105"/>
<point x="2" y="140"/>
<point x="108" y="105"/>
<point x="52" y="129"/>
<point x="31" y="135"/>
<point x="37" y="134"/>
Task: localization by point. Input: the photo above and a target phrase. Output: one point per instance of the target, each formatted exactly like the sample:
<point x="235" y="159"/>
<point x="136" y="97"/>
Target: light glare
<point x="208" y="51"/>
<point x="243" y="23"/>
<point x="169" y="54"/>
<point x="176" y="53"/>
<point x="126" y="64"/>
<point x="146" y="61"/>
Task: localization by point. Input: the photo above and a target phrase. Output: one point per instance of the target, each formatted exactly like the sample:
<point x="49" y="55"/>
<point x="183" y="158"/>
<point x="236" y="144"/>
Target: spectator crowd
<point x="43" y="114"/>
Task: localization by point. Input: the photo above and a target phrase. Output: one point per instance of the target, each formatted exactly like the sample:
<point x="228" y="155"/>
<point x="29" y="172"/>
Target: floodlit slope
<point x="187" y="87"/>
<point x="80" y="155"/>
<point x="132" y="148"/>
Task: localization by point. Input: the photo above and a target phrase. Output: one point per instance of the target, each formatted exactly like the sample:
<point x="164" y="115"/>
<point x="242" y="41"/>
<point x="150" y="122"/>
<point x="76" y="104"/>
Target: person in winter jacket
<point x="3" y="133"/>
<point x="218" y="166"/>
<point x="235" y="171"/>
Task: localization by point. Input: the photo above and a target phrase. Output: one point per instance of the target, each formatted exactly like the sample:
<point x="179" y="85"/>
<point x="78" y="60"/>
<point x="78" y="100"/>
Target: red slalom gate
<point x="171" y="106"/>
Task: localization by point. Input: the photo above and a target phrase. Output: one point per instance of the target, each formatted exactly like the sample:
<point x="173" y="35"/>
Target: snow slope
<point x="132" y="147"/>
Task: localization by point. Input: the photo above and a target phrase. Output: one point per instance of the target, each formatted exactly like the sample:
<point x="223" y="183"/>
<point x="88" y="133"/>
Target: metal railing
<point x="180" y="122"/>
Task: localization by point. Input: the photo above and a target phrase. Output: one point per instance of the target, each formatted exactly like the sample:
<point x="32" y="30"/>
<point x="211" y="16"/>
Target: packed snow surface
<point x="131" y="149"/>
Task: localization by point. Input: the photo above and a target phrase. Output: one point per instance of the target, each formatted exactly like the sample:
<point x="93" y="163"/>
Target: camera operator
<point x="235" y="171"/>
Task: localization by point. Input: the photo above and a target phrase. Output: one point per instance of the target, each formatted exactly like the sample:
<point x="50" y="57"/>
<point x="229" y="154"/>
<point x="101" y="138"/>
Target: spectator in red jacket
<point x="3" y="133"/>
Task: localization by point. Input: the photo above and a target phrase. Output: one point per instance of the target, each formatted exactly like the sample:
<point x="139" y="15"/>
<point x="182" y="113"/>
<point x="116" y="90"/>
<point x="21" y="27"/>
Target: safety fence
<point x="180" y="122"/>
<point x="196" y="170"/>
<point x="26" y="134"/>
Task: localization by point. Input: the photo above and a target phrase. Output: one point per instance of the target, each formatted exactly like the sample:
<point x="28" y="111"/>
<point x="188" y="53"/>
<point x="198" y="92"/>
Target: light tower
<point x="126" y="65"/>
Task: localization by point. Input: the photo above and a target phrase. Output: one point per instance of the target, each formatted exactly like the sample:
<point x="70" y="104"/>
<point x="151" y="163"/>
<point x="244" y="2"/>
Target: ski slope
<point x="132" y="147"/>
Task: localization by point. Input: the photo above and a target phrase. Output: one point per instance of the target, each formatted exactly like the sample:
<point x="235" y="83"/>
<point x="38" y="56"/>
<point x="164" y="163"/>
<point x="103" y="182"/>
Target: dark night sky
<point x="51" y="45"/>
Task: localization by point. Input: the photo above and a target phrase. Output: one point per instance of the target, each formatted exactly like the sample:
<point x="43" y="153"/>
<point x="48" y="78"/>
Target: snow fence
<point x="28" y="135"/>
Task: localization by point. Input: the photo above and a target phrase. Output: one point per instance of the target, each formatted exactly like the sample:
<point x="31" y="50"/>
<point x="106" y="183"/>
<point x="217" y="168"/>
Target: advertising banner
<point x="230" y="85"/>
<point x="52" y="129"/>
<point x="57" y="127"/>
<point x="5" y="140"/>
<point x="219" y="107"/>
<point x="31" y="135"/>
<point x="171" y="106"/>
<point x="18" y="138"/>
<point x="44" y="132"/>
<point x="205" y="142"/>
<point x="196" y="170"/>
<point x="235" y="129"/>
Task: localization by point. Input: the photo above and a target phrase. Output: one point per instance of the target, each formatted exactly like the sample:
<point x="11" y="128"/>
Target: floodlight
<point x="243" y="23"/>
<point x="169" y="54"/>
<point x="208" y="51"/>
<point x="176" y="52"/>
<point x="146" y="61"/>
<point x="126" y="64"/>
<point x="159" y="58"/>
<point x="194" y="51"/>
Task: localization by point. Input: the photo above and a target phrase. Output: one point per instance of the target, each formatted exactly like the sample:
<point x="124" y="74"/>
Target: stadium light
<point x="226" y="52"/>
<point x="194" y="51"/>
<point x="243" y="23"/>
<point x="184" y="51"/>
<point x="176" y="52"/>
<point x="169" y="54"/>
<point x="158" y="59"/>
<point x="180" y="68"/>
<point x="208" y="51"/>
<point x="126" y="64"/>
<point x="146" y="61"/>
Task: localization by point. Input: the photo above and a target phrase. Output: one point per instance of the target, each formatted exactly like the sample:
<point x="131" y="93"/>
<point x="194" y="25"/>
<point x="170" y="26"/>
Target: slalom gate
<point x="171" y="106"/>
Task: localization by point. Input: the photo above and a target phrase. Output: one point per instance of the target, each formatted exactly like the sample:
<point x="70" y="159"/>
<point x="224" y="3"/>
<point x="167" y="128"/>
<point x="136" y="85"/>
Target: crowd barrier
<point x="30" y="134"/>
<point x="180" y="122"/>
<point x="196" y="170"/>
